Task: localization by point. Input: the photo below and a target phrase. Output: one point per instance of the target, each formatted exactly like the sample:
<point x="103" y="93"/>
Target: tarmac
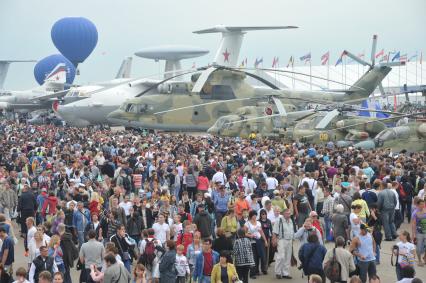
<point x="385" y="270"/>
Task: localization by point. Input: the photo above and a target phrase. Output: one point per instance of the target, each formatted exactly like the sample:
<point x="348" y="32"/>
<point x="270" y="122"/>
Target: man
<point x="8" y="200"/>
<point x="364" y="247"/>
<point x="219" y="176"/>
<point x="81" y="218"/>
<point x="271" y="182"/>
<point x="95" y="225"/>
<point x="146" y="215"/>
<point x="120" y="211"/>
<point x="161" y="229"/>
<point x="327" y="211"/>
<point x="249" y="184"/>
<point x="91" y="253"/>
<point x="45" y="277"/>
<point x="204" y="263"/>
<point x="124" y="249"/>
<point x="345" y="200"/>
<point x="343" y="257"/>
<point x="115" y="272"/>
<point x="386" y="203"/>
<point x="43" y="262"/>
<point x="27" y="207"/>
<point x="7" y="252"/>
<point x="303" y="233"/>
<point x="221" y="204"/>
<point x="30" y="221"/>
<point x="69" y="251"/>
<point x="203" y="222"/>
<point x="282" y="238"/>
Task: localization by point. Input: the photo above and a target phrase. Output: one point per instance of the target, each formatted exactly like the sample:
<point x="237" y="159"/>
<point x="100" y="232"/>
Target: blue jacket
<point x="199" y="264"/>
<point x="77" y="219"/>
<point x="221" y="203"/>
<point x="311" y="256"/>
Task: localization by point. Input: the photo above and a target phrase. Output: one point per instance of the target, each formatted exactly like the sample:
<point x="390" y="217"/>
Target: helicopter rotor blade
<point x="327" y="119"/>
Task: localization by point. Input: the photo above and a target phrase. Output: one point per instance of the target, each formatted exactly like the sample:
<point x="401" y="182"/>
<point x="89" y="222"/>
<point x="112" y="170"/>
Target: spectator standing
<point x="364" y="247"/>
<point x="91" y="253"/>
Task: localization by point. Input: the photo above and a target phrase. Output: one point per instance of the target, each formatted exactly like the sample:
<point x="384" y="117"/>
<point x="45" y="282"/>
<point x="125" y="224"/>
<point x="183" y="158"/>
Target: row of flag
<point x="394" y="56"/>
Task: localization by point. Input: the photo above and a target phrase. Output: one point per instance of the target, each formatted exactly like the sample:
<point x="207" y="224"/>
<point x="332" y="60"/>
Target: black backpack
<point x="333" y="269"/>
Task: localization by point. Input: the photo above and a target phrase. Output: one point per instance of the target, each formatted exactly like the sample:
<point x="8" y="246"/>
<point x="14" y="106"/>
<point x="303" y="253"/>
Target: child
<point x="182" y="266"/>
<point x="176" y="227"/>
<point x="186" y="237"/>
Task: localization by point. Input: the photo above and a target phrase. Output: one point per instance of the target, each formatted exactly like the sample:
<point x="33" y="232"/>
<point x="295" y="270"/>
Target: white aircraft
<point x="4" y="67"/>
<point x="100" y="102"/>
<point x="26" y="100"/>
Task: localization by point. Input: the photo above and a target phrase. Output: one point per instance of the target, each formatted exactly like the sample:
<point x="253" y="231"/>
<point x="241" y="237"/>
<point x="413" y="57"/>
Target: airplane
<point x="4" y="67"/>
<point x="218" y="90"/>
<point x="23" y="100"/>
<point x="101" y="102"/>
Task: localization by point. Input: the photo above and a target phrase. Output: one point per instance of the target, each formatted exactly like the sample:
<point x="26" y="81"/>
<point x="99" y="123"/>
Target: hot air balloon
<point x="75" y="38"/>
<point x="46" y="65"/>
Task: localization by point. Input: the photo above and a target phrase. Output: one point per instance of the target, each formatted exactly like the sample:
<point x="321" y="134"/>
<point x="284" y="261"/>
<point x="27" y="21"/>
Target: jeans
<point x="388" y="219"/>
<point x="378" y="254"/>
<point x="259" y="256"/>
<point x="366" y="267"/>
<point x="80" y="235"/>
<point x="219" y="216"/>
<point x="67" y="275"/>
<point x="205" y="279"/>
<point x="243" y="273"/>
<point x="406" y="209"/>
<point x="128" y="264"/>
<point x="421" y="242"/>
<point x="328" y="222"/>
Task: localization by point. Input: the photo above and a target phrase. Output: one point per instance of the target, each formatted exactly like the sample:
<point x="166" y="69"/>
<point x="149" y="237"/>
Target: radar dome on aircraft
<point x="75" y="38"/>
<point x="171" y="52"/>
<point x="47" y="64"/>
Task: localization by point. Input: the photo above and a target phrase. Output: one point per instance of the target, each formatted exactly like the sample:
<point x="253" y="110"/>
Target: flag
<point x="385" y="58"/>
<point x="306" y="58"/>
<point x="403" y="58"/>
<point x="243" y="63"/>
<point x="396" y="56"/>
<point x="325" y="57"/>
<point x="340" y="60"/>
<point x="275" y="62"/>
<point x="412" y="58"/>
<point x="290" y="62"/>
<point x="257" y="62"/>
<point x="380" y="53"/>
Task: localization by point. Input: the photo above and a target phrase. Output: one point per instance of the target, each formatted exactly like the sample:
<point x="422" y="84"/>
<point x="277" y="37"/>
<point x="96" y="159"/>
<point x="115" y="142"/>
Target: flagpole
<point x="328" y="70"/>
<point x="345" y="69"/>
<point x="310" y="69"/>
<point x="416" y="67"/>
<point x="292" y="69"/>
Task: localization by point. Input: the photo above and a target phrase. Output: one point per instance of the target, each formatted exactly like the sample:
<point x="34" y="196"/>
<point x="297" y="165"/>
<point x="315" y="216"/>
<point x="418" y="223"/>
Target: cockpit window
<point x="130" y="107"/>
<point x="6" y="93"/>
<point x="220" y="92"/>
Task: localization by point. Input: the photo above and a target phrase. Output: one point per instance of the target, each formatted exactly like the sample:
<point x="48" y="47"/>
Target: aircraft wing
<point x="57" y="95"/>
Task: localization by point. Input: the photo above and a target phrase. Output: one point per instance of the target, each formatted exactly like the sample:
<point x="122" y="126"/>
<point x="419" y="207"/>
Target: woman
<point x="229" y="224"/>
<point x="223" y="272"/>
<point x="311" y="256"/>
<point x="21" y="276"/>
<point x="364" y="213"/>
<point x="258" y="244"/>
<point x="167" y="264"/>
<point x="267" y="230"/>
<point x="34" y="246"/>
<point x="355" y="220"/>
<point x="60" y="218"/>
<point x="55" y="251"/>
<point x="191" y="183"/>
<point x="418" y="226"/>
<point x="340" y="223"/>
<point x="243" y="255"/>
<point x="139" y="274"/>
<point x="194" y="250"/>
<point x="221" y="243"/>
<point x="405" y="253"/>
<point x="58" y="277"/>
<point x="203" y="183"/>
<point x="301" y="206"/>
<point x="319" y="198"/>
<point x="95" y="203"/>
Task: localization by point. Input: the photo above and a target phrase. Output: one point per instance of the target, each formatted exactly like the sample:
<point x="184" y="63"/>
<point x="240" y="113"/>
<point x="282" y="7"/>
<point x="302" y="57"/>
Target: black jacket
<point x="42" y="265"/>
<point x="134" y="225"/>
<point x="27" y="202"/>
<point x="222" y="244"/>
<point x="69" y="250"/>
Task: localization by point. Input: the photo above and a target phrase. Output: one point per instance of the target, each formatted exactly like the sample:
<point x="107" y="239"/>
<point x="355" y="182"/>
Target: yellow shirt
<point x="216" y="273"/>
<point x="229" y="225"/>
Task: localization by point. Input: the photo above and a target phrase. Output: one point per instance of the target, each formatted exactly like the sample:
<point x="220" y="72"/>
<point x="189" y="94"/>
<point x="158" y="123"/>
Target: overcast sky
<point x="124" y="26"/>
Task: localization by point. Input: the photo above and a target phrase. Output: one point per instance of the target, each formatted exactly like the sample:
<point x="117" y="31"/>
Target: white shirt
<point x="161" y="231"/>
<point x="272" y="183"/>
<point x="421" y="193"/>
<point x="30" y="233"/>
<point x="397" y="199"/>
<point x="404" y="249"/>
<point x="254" y="229"/>
<point x="249" y="185"/>
<point x="355" y="228"/>
<point x="126" y="206"/>
<point x="219" y="177"/>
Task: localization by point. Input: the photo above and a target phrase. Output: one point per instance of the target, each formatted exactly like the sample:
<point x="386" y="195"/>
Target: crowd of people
<point x="126" y="207"/>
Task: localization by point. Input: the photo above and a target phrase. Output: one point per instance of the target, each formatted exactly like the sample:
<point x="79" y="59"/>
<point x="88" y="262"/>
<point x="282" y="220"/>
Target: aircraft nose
<point x="365" y="144"/>
<point x="213" y="130"/>
<point x="115" y="117"/>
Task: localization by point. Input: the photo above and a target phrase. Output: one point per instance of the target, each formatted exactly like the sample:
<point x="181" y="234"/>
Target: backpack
<point x="333" y="269"/>
<point x="402" y="192"/>
<point x="148" y="255"/>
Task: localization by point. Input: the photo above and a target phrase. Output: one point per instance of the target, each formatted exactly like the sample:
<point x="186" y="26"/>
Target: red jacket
<point x="185" y="239"/>
<point x="49" y="205"/>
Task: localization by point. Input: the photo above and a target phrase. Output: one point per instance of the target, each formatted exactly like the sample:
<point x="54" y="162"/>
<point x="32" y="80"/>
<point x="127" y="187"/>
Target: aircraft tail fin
<point x="56" y="79"/>
<point x="367" y="83"/>
<point x="4" y="67"/>
<point x="125" y="69"/>
<point x="232" y="38"/>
